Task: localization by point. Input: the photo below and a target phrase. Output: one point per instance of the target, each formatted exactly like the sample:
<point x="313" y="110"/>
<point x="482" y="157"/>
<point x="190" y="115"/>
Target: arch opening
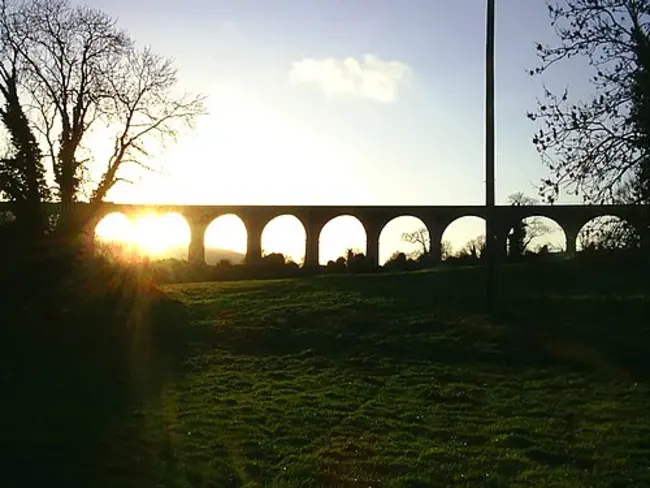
<point x="162" y="236"/>
<point x="339" y="235"/>
<point x="404" y="234"/>
<point x="151" y="235"/>
<point x="464" y="237"/>
<point x="226" y="239"/>
<point x="607" y="233"/>
<point x="114" y="236"/>
<point x="536" y="235"/>
<point x="286" y="235"/>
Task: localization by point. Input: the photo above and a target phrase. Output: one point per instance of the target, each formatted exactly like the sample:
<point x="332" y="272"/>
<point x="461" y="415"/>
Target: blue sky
<point x="292" y="122"/>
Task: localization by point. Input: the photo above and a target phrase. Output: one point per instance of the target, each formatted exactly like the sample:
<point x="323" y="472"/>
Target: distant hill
<point x="212" y="255"/>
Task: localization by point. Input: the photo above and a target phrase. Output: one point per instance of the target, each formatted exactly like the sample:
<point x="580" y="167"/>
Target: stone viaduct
<point x="373" y="218"/>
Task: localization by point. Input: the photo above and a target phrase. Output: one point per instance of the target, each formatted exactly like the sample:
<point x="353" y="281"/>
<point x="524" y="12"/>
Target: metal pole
<point x="489" y="155"/>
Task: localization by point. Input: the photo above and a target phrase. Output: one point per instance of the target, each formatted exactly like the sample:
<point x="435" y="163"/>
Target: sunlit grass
<point x="400" y="380"/>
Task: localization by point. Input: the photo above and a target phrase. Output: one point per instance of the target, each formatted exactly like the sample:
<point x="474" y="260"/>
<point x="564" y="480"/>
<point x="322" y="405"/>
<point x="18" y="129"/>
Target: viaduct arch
<point x="373" y="218"/>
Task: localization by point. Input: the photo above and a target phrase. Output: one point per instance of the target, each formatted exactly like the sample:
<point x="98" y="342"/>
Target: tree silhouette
<point x="474" y="248"/>
<point x="77" y="72"/>
<point x="22" y="174"/>
<point x="519" y="199"/>
<point x="419" y="237"/>
<point x="396" y="261"/>
<point x="446" y="250"/>
<point x="526" y="230"/>
<point x="594" y="147"/>
<point x="608" y="234"/>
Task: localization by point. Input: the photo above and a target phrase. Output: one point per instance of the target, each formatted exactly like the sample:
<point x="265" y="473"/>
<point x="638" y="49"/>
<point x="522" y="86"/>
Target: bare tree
<point x="78" y="74"/>
<point x="594" y="147"/>
<point x="519" y="199"/>
<point x="419" y="237"/>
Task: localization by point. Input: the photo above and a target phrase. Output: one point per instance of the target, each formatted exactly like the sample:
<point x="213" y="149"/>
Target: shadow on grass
<point x="74" y="369"/>
<point x="561" y="315"/>
<point x="73" y="362"/>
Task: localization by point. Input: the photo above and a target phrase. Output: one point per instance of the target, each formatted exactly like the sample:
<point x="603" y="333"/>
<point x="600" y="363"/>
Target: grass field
<point x="400" y="380"/>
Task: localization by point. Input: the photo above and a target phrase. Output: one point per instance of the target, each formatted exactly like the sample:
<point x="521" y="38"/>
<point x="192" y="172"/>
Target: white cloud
<point x="370" y="78"/>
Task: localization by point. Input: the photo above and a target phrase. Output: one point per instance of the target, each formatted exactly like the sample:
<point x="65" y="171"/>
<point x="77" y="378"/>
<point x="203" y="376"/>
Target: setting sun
<point x="151" y="234"/>
<point x="156" y="234"/>
<point x="115" y="227"/>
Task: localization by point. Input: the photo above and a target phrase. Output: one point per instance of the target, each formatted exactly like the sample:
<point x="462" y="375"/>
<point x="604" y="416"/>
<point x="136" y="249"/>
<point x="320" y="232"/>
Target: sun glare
<point x="149" y="235"/>
<point x="153" y="235"/>
<point x="115" y="227"/>
<point x="157" y="234"/>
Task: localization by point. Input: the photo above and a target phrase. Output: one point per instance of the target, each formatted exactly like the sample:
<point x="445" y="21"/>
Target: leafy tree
<point x="397" y="260"/>
<point x="597" y="146"/>
<point x="527" y="230"/>
<point x="446" y="250"/>
<point x="608" y="234"/>
<point x="274" y="259"/>
<point x="474" y="248"/>
<point x="517" y="239"/>
<point x="70" y="72"/>
<point x="22" y="174"/>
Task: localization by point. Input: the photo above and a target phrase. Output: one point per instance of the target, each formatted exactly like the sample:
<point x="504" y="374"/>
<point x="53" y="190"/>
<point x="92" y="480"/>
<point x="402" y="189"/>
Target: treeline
<point x="277" y="266"/>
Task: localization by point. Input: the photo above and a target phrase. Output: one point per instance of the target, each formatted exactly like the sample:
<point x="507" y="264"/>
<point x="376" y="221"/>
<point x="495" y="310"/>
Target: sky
<point x="345" y="102"/>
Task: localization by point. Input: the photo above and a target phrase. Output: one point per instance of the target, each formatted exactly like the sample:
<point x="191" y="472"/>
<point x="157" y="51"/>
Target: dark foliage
<point x="517" y="240"/>
<point x="399" y="262"/>
<point x="80" y="342"/>
<point x="597" y="147"/>
<point x="22" y="174"/>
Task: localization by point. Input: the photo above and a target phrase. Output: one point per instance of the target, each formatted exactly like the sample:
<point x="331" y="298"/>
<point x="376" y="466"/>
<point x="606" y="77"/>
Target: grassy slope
<point x="398" y="380"/>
